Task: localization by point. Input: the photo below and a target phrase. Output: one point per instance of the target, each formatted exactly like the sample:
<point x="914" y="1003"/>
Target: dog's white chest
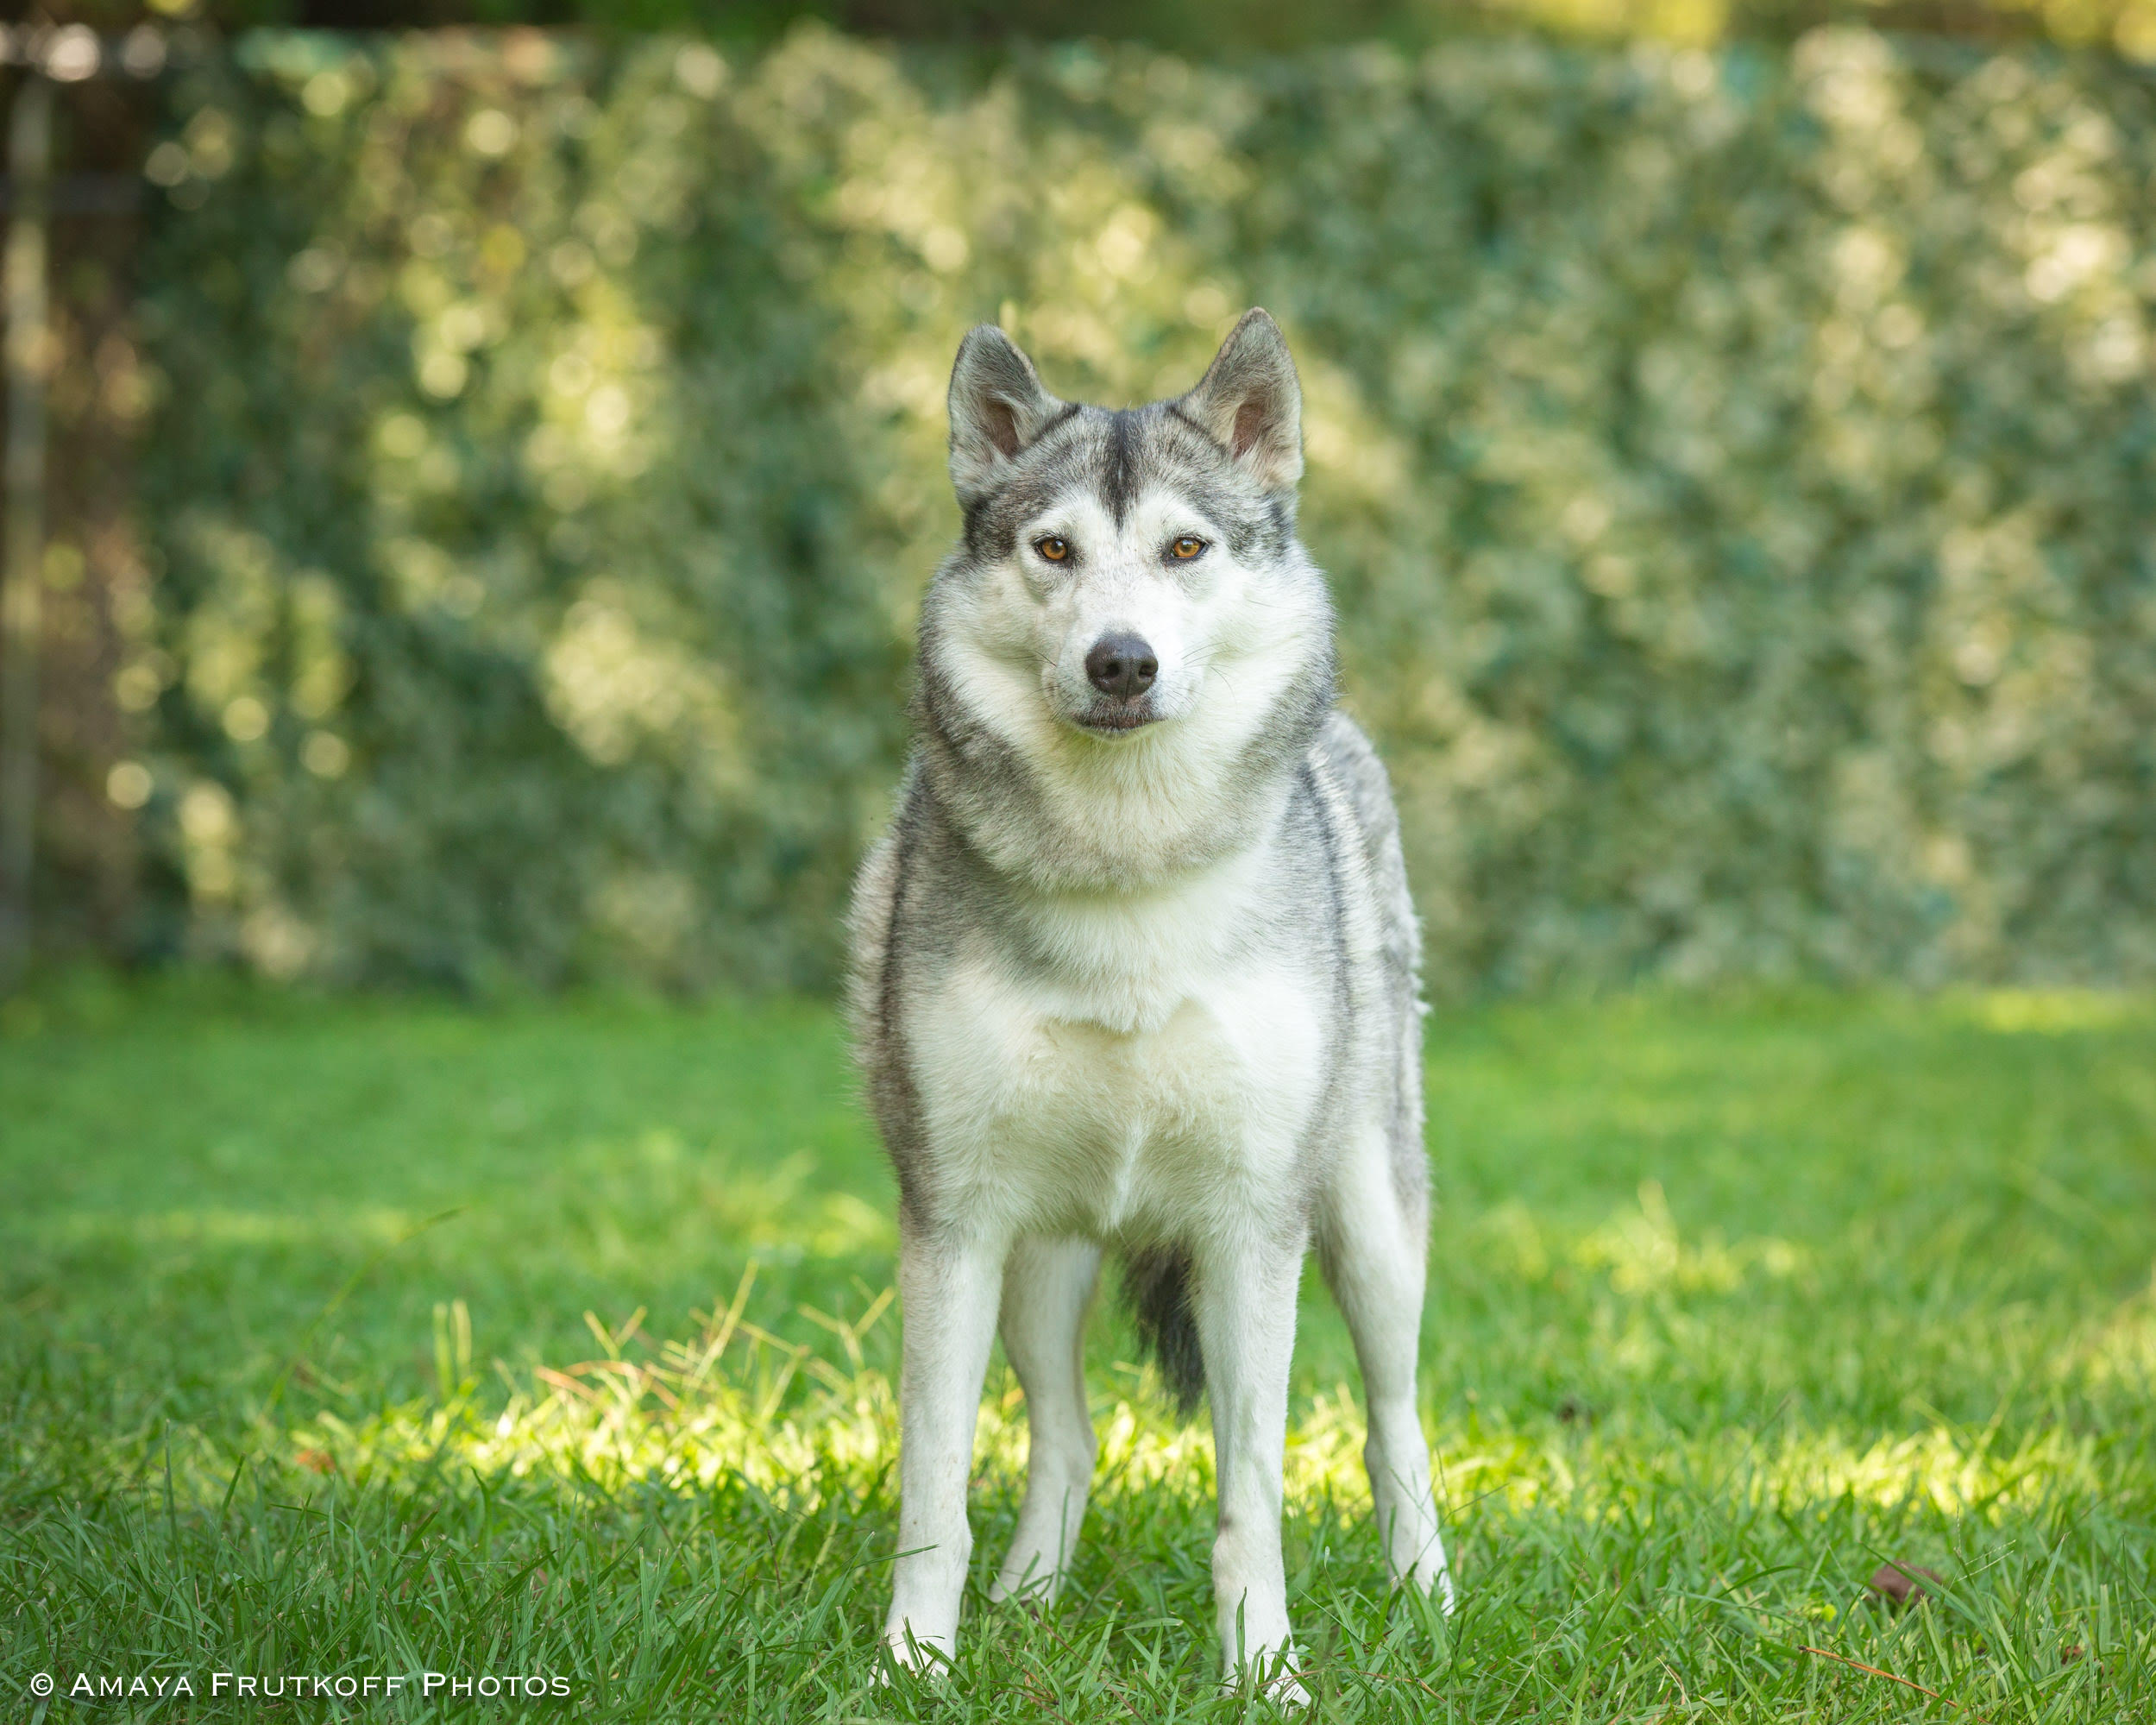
<point x="1129" y="1115"/>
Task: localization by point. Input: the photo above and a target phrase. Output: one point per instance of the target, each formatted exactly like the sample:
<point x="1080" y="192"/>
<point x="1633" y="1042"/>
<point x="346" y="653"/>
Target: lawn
<point x="552" y="1343"/>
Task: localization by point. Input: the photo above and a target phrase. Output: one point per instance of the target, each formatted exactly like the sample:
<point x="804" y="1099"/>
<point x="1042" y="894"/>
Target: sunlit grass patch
<point x="2057" y="1012"/>
<point x="1758" y="1542"/>
<point x="739" y="1404"/>
<point x="1749" y="1549"/>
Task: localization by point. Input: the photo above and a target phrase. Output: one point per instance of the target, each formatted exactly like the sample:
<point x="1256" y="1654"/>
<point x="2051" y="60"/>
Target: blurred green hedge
<point x="1738" y="473"/>
<point x="1202" y="27"/>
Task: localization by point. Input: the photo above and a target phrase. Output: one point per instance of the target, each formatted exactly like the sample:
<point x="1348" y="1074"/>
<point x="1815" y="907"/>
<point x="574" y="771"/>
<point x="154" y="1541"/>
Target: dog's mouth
<point x="1108" y="721"/>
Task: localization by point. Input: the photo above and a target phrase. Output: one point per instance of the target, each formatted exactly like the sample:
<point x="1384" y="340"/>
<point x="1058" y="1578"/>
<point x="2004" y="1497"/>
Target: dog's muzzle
<point x="1123" y="667"/>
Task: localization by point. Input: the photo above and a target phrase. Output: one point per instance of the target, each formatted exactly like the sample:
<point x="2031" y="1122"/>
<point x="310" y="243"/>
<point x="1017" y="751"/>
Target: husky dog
<point x="1135" y="970"/>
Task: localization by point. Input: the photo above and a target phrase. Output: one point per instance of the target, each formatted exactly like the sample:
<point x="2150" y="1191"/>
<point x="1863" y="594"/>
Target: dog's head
<point x="1129" y="648"/>
<point x="1130" y="562"/>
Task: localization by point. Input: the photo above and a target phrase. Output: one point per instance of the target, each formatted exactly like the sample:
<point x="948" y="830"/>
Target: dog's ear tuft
<point x="998" y="407"/>
<point x="1251" y="401"/>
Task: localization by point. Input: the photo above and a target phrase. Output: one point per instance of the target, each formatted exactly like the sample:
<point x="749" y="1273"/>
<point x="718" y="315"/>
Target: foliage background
<point x="1201" y="26"/>
<point x="1738" y="471"/>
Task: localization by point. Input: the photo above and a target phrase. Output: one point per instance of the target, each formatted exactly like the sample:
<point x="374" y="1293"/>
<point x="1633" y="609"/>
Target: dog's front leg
<point x="1047" y="1285"/>
<point x="1245" y="1297"/>
<point x="949" y="1285"/>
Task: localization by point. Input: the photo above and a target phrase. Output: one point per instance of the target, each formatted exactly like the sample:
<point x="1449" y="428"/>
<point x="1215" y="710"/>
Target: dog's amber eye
<point x="1185" y="548"/>
<point x="1055" y="547"/>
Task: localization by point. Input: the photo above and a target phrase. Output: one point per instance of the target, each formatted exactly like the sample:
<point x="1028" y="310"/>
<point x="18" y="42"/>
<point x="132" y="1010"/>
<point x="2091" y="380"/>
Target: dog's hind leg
<point x="949" y="1285"/>
<point x="1047" y="1286"/>
<point x="1374" y="1247"/>
<point x="1245" y="1300"/>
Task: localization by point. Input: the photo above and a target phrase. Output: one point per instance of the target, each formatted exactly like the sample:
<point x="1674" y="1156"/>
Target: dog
<point x="1137" y="971"/>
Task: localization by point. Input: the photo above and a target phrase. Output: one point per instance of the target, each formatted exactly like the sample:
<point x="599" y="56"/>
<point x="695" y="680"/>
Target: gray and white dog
<point x="1135" y="970"/>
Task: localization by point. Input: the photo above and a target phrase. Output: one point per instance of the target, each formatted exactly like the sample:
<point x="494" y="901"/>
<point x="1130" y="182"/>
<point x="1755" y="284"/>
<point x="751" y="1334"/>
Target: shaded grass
<point x="1731" y="1302"/>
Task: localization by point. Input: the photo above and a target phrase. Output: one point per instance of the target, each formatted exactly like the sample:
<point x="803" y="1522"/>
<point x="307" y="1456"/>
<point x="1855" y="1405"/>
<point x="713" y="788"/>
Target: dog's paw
<point x="1421" y="1566"/>
<point x="1275" y="1676"/>
<point x="920" y="1656"/>
<point x="1031" y="1580"/>
<point x="1433" y="1580"/>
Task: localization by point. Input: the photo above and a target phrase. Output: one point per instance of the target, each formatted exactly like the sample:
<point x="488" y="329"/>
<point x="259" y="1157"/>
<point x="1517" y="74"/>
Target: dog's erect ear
<point x="998" y="407"/>
<point x="1249" y="399"/>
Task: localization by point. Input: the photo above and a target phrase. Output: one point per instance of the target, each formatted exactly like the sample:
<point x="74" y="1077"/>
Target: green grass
<point x="1729" y="1303"/>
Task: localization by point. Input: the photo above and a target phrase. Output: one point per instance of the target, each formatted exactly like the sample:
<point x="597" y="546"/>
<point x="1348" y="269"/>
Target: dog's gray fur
<point x="1094" y="915"/>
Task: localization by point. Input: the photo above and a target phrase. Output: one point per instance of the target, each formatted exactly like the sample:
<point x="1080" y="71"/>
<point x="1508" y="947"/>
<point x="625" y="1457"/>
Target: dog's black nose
<point x="1122" y="665"/>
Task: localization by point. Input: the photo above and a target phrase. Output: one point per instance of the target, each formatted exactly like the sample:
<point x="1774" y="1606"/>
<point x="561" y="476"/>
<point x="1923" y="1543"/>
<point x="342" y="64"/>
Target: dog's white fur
<point x="1119" y="990"/>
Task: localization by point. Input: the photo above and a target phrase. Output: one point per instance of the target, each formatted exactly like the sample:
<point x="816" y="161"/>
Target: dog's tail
<point x="1157" y="1289"/>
